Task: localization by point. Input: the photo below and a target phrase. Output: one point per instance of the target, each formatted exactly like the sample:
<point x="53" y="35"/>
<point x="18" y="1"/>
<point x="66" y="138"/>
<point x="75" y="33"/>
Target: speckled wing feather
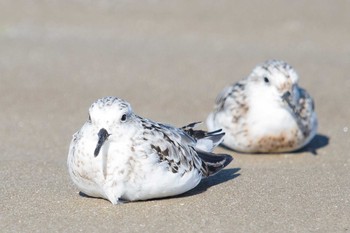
<point x="305" y="109"/>
<point x="215" y="137"/>
<point x="233" y="100"/>
<point x="177" y="148"/>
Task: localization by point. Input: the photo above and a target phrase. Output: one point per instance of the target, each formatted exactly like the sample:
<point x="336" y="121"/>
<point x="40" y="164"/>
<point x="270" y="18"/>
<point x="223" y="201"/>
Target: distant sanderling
<point x="265" y="112"/>
<point x="118" y="155"/>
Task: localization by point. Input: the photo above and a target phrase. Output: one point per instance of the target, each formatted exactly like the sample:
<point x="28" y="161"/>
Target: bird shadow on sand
<point x="318" y="142"/>
<point x="221" y="177"/>
<point x="87" y="196"/>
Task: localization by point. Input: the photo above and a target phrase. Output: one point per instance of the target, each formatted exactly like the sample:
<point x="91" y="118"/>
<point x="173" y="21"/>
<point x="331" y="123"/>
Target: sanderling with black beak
<point x="118" y="155"/>
<point x="266" y="111"/>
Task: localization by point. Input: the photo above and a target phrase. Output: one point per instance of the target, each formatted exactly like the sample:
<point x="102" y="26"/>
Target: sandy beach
<point x="170" y="59"/>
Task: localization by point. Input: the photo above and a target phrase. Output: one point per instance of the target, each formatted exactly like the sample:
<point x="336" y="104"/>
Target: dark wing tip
<point x="192" y="125"/>
<point x="215" y="131"/>
<point x="228" y="159"/>
<point x="213" y="163"/>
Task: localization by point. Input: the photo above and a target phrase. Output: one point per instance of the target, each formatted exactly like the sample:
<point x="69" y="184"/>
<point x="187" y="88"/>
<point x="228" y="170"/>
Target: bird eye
<point x="266" y="80"/>
<point x="123" y="118"/>
<point x="89" y="118"/>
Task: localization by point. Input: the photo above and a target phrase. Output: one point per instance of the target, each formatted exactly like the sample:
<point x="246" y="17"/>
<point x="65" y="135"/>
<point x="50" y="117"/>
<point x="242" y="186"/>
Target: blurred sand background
<point x="170" y="59"/>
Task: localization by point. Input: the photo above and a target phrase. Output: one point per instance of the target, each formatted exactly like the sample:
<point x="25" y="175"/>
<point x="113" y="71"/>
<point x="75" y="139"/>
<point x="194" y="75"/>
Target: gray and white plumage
<point x="118" y="155"/>
<point x="266" y="111"/>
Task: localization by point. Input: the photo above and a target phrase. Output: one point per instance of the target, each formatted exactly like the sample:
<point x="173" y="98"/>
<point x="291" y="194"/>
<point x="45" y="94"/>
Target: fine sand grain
<point x="170" y="59"/>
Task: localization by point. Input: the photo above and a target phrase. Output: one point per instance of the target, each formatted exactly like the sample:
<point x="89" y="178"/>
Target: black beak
<point x="287" y="98"/>
<point x="102" y="137"/>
